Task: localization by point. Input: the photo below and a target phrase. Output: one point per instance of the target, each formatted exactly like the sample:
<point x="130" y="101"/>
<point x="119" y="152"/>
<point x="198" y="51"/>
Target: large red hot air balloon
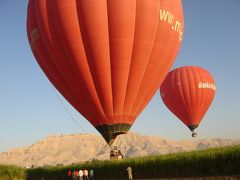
<point x="188" y="92"/>
<point x="106" y="57"/>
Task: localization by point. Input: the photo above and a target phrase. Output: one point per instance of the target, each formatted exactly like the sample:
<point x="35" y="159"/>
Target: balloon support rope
<point x="66" y="110"/>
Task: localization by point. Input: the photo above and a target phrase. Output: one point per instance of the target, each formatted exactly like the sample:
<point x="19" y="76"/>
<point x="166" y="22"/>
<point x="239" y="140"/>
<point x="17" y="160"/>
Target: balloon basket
<point x="194" y="134"/>
<point x="115" y="154"/>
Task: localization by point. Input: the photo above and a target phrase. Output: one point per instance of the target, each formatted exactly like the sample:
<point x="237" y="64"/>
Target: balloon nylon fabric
<point x="188" y="92"/>
<point x="106" y="57"/>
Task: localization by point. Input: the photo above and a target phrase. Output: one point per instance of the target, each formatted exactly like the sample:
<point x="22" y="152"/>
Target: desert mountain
<point x="67" y="149"/>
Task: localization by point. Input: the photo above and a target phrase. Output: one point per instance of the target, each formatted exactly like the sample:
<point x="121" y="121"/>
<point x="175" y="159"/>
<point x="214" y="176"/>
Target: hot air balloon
<point x="106" y="57"/>
<point x="188" y="92"/>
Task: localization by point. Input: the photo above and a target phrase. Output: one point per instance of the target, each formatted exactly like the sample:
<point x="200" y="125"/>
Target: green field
<point x="12" y="173"/>
<point x="211" y="162"/>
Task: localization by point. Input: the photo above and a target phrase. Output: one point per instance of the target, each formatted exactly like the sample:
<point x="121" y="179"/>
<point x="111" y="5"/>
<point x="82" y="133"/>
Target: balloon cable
<point x="65" y="108"/>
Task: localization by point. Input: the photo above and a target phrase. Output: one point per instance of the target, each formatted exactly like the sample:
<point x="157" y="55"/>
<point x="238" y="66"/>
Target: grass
<point x="212" y="162"/>
<point x="12" y="173"/>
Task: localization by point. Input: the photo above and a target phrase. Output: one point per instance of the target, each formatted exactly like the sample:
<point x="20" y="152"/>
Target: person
<point x="76" y="174"/>
<point x="85" y="174"/>
<point x="91" y="174"/>
<point x="80" y="174"/>
<point x="69" y="173"/>
<point x="129" y="169"/>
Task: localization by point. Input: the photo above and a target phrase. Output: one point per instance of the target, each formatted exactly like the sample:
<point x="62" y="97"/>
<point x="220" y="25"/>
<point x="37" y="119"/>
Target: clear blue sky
<point x="30" y="109"/>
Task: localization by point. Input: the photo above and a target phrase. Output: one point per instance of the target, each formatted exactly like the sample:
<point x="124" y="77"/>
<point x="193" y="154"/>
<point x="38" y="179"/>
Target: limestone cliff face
<point x="67" y="149"/>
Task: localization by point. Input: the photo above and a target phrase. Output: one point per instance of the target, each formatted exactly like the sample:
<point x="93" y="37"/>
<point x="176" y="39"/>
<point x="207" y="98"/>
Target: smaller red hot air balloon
<point x="188" y="92"/>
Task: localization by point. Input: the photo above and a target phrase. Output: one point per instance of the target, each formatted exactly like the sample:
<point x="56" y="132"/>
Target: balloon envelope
<point x="106" y="57"/>
<point x="188" y="92"/>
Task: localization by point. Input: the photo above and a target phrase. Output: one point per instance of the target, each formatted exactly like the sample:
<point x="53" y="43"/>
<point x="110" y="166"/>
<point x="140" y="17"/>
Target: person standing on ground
<point x="76" y="174"/>
<point x="73" y="175"/>
<point x="80" y="174"/>
<point x="69" y="173"/>
<point x="129" y="169"/>
<point x="91" y="174"/>
<point x="85" y="174"/>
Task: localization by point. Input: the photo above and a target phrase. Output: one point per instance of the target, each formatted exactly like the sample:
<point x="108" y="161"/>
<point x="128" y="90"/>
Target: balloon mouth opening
<point x="192" y="127"/>
<point x="111" y="131"/>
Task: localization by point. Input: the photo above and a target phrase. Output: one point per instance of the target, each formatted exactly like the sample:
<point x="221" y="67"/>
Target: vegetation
<point x="12" y="173"/>
<point x="212" y="162"/>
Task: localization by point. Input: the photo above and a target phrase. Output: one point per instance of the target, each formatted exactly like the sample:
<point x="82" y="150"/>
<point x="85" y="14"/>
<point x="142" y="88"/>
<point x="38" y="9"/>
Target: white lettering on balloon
<point x="176" y="26"/>
<point x="205" y="85"/>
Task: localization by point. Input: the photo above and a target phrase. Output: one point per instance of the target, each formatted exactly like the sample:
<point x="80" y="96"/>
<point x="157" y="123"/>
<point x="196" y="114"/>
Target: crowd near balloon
<point x="79" y="174"/>
<point x="108" y="58"/>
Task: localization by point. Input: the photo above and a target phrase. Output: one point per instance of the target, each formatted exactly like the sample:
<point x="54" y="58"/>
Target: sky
<point x="31" y="109"/>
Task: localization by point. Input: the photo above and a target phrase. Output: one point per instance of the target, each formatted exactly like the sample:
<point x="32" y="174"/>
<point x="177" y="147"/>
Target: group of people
<point x="80" y="174"/>
<point x="83" y="174"/>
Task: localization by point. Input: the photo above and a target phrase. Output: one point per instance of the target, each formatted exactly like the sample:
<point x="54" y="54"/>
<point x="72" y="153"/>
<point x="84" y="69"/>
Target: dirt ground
<point x="236" y="177"/>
